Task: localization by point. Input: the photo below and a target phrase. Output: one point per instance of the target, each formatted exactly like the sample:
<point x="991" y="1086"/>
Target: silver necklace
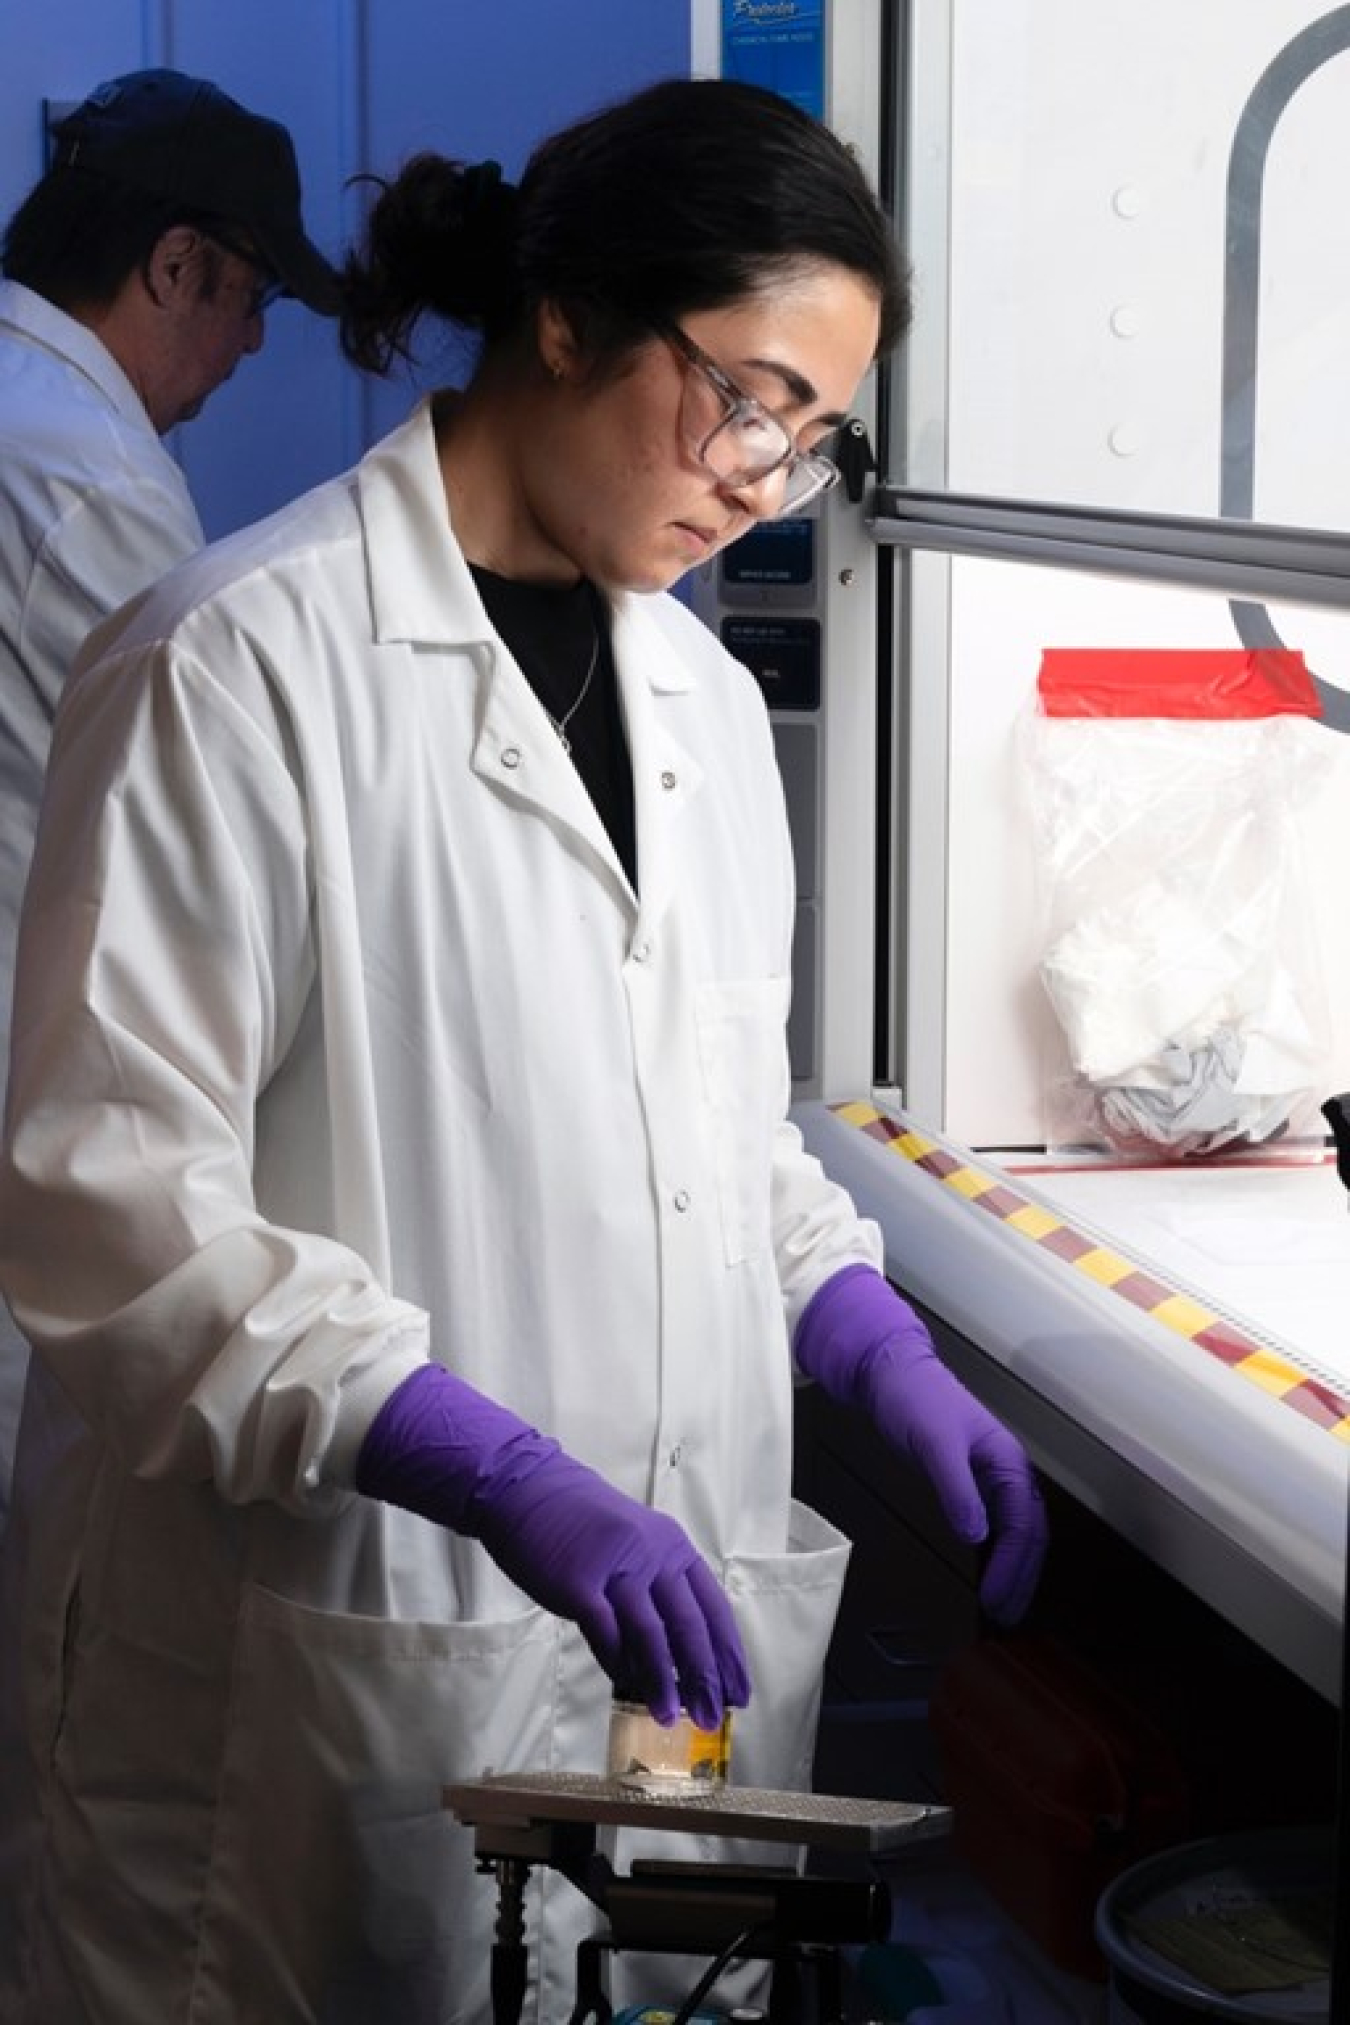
<point x="560" y="724"/>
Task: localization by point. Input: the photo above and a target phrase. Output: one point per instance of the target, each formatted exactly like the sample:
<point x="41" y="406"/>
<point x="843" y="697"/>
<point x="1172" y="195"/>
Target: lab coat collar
<point x="30" y="319"/>
<point x="640" y="642"/>
<point x="421" y="586"/>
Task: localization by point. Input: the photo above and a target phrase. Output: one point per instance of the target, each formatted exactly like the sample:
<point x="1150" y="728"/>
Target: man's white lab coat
<point x="343" y="1041"/>
<point x="92" y="509"/>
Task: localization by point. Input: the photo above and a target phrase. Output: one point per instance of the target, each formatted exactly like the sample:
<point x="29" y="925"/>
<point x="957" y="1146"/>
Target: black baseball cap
<point x="184" y="141"/>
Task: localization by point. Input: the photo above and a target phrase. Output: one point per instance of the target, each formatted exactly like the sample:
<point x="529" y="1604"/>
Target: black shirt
<point x="560" y="636"/>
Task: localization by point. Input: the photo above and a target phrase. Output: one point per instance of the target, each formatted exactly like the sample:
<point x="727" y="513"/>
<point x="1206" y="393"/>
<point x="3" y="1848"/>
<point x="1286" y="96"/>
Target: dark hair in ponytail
<point x="439" y="238"/>
<point x="691" y="194"/>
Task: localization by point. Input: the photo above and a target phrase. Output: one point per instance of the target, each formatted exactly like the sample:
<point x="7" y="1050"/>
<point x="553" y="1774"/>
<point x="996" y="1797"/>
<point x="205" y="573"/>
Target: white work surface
<point x="1170" y="1346"/>
<point x="1267" y="1245"/>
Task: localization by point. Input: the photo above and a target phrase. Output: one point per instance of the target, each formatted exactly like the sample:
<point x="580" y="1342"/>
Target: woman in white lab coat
<point x="398" y="1191"/>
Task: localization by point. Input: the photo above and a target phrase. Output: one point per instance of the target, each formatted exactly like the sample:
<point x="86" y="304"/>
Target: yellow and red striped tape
<point x="1179" y="1312"/>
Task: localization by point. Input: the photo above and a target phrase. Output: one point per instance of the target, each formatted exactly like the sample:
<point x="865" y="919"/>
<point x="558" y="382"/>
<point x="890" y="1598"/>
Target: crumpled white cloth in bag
<point x="1188" y="1021"/>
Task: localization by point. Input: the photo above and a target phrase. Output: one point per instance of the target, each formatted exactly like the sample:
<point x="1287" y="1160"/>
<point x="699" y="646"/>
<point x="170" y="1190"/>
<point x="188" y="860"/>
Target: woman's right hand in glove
<point x="648" y="1605"/>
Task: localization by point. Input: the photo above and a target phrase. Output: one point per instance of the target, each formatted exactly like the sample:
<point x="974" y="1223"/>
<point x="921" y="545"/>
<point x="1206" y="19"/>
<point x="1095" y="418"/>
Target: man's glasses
<point x="268" y="288"/>
<point x="737" y="437"/>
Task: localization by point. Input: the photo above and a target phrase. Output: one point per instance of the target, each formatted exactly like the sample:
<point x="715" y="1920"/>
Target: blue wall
<point x="361" y="84"/>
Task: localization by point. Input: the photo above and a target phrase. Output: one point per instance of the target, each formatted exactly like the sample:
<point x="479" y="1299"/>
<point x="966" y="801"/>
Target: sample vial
<point x="661" y="1758"/>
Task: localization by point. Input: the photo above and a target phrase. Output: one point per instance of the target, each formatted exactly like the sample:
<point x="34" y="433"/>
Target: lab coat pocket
<point x="786" y="1606"/>
<point x="338" y="1870"/>
<point x="742" y="1057"/>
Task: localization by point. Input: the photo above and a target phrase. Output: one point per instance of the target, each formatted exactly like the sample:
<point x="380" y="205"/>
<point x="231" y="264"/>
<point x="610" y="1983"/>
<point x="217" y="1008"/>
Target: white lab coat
<point x="342" y="1041"/>
<point x="92" y="508"/>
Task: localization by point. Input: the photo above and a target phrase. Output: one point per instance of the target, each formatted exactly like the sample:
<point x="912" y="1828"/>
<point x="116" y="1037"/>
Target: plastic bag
<point x="1178" y="959"/>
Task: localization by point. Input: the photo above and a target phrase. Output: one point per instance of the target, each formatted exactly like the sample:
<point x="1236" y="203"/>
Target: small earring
<point x="555" y="369"/>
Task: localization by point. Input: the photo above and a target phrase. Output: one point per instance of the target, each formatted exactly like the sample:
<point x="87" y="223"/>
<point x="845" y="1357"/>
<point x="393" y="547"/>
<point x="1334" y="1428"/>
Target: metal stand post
<point x="510" y="1956"/>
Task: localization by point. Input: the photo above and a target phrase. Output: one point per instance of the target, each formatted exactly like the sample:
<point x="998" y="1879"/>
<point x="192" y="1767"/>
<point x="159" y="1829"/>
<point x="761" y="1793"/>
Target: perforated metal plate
<point x="819" y="1819"/>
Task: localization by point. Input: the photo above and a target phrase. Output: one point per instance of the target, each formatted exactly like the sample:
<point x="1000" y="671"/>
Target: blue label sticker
<point x="778" y="44"/>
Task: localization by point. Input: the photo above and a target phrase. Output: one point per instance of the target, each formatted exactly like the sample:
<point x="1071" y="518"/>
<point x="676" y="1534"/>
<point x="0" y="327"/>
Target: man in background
<point x="136" y="274"/>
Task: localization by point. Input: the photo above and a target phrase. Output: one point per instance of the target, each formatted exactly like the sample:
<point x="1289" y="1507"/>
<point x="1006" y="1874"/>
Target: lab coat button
<point x="681" y="1200"/>
<point x="641" y="951"/>
<point x="673" y="1459"/>
<point x="511" y="756"/>
<point x="669" y="780"/>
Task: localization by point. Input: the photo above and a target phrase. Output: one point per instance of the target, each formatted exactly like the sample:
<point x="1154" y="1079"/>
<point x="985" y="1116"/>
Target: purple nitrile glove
<point x="867" y="1348"/>
<point x="650" y="1608"/>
